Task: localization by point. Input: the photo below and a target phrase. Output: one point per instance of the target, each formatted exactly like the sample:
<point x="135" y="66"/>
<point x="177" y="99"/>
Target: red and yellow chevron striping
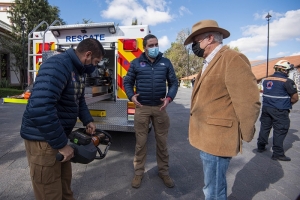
<point x="124" y="59"/>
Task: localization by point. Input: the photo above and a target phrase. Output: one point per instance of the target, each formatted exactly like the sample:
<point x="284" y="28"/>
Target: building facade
<point x="9" y="73"/>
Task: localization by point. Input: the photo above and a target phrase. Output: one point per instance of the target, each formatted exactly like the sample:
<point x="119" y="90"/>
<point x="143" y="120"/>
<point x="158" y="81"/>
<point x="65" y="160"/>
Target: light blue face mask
<point x="153" y="52"/>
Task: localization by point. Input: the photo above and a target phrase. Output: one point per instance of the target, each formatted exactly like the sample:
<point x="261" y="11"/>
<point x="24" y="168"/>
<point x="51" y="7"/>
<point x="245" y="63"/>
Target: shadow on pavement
<point x="111" y="177"/>
<point x="261" y="172"/>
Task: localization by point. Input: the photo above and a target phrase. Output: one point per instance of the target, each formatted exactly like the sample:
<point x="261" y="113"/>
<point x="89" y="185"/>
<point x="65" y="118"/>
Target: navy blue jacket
<point x="151" y="80"/>
<point x="56" y="100"/>
<point x="277" y="91"/>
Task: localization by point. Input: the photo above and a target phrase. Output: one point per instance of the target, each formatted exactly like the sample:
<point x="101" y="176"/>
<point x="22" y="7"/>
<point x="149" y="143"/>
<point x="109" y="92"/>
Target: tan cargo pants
<point x="51" y="180"/>
<point x="161" y="124"/>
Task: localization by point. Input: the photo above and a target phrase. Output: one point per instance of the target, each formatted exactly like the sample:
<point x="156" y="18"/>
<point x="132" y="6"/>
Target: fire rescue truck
<point x="104" y="91"/>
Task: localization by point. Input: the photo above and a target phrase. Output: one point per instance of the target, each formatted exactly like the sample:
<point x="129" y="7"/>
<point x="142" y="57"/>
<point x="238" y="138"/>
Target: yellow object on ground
<point x="15" y="100"/>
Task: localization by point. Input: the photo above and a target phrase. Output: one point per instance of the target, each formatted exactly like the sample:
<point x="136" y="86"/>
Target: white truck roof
<point x="73" y="34"/>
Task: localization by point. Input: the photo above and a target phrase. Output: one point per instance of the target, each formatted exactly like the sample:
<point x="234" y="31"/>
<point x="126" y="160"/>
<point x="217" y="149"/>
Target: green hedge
<point x="4" y="92"/>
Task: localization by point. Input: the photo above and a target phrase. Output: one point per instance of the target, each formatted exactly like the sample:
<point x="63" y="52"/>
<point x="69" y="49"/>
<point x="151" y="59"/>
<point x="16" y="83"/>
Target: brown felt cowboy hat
<point x="205" y="26"/>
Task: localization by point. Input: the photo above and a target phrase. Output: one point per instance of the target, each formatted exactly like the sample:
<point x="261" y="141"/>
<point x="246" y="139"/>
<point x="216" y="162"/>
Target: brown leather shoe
<point x="167" y="180"/>
<point x="136" y="181"/>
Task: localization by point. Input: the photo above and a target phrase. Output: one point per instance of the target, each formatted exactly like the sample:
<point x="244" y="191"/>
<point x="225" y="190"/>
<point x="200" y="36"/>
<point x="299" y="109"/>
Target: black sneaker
<point x="259" y="150"/>
<point x="282" y="158"/>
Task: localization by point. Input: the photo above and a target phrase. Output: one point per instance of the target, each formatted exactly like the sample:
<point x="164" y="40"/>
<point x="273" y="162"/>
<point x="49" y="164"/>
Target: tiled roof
<point x="259" y="68"/>
<point x="189" y="77"/>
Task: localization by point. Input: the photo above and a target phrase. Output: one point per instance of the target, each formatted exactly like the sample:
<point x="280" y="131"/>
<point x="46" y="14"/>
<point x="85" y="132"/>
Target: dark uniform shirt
<point x="278" y="90"/>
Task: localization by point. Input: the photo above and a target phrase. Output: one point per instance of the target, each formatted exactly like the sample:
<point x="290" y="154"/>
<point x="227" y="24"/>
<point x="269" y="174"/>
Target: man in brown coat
<point x="224" y="105"/>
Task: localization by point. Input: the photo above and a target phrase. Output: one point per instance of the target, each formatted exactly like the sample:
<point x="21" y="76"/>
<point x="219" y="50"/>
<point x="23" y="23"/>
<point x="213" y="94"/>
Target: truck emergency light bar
<point x="110" y="25"/>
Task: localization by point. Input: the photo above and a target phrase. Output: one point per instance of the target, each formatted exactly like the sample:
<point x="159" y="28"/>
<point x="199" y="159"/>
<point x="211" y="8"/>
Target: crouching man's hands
<point x="90" y="128"/>
<point x="68" y="153"/>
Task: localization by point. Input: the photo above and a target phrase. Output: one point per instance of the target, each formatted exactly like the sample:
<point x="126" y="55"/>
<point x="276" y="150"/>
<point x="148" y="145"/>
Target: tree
<point x="134" y="21"/>
<point x="34" y="11"/>
<point x="86" y="21"/>
<point x="234" y="48"/>
<point x="184" y="61"/>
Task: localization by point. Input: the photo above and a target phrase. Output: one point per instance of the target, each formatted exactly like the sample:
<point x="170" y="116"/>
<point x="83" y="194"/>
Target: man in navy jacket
<point x="56" y="100"/>
<point x="150" y="73"/>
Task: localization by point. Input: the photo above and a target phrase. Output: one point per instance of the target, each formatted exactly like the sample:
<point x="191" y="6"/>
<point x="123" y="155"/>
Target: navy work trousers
<point x="280" y="121"/>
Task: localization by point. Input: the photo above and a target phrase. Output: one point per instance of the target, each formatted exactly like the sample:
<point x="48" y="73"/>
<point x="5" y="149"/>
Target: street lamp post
<point x="23" y="20"/>
<point x="268" y="19"/>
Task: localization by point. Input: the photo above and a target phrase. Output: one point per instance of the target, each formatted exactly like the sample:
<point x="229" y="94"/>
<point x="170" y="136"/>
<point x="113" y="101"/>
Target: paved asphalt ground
<point x="251" y="175"/>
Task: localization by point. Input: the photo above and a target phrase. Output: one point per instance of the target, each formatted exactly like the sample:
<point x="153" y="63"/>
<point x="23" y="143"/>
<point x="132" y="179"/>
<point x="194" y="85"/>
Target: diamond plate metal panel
<point x="113" y="108"/>
<point x="48" y="54"/>
<point x="116" y="116"/>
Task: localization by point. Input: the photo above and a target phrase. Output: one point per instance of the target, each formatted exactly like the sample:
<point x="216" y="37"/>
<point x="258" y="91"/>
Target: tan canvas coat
<point x="224" y="105"/>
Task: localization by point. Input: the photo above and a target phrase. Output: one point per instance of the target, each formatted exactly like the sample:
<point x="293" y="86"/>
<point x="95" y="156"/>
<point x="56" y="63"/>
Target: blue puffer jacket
<point x="57" y="99"/>
<point x="150" y="80"/>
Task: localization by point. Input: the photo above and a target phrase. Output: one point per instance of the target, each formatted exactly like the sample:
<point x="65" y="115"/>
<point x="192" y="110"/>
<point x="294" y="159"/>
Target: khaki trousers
<point x="161" y="124"/>
<point x="51" y="180"/>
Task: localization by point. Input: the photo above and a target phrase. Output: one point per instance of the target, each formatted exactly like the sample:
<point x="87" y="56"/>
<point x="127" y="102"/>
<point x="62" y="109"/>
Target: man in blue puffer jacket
<point x="57" y="99"/>
<point x="149" y="73"/>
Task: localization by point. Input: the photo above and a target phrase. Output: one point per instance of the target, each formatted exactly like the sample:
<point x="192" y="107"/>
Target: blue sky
<point x="244" y="19"/>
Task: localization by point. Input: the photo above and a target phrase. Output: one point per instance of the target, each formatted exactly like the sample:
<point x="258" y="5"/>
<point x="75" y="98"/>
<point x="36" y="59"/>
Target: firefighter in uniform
<point x="279" y="94"/>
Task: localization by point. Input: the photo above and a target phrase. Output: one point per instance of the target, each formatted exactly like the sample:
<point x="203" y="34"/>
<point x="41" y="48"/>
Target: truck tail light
<point x="130" y="110"/>
<point x="46" y="46"/>
<point x="130" y="45"/>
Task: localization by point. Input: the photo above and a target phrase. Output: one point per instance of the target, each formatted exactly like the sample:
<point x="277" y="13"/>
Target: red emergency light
<point x="46" y="46"/>
<point x="129" y="45"/>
